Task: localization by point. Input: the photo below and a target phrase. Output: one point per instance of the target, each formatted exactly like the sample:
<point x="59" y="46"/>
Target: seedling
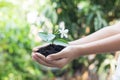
<point x="56" y="39"/>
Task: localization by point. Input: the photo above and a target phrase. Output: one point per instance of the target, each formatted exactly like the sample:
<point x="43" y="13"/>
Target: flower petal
<point x="62" y="35"/>
<point x="66" y="36"/>
<point x="66" y="30"/>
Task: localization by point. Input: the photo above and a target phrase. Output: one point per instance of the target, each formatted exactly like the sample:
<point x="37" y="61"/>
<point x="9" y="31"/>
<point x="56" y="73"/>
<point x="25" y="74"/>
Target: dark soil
<point x="50" y="49"/>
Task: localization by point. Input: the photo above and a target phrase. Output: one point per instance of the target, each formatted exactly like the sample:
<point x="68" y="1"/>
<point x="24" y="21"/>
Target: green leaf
<point x="61" y="42"/>
<point x="46" y="36"/>
<point x="90" y="17"/>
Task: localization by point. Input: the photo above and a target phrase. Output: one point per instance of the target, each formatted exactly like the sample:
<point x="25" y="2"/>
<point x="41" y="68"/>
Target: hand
<point x="59" y="59"/>
<point x="41" y="59"/>
<point x="63" y="57"/>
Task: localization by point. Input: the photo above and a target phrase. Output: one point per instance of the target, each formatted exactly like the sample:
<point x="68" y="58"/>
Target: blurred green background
<point x="20" y="20"/>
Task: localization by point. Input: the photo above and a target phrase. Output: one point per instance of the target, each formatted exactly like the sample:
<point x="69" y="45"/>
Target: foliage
<point x="16" y="45"/>
<point x="56" y="36"/>
<point x="82" y="17"/>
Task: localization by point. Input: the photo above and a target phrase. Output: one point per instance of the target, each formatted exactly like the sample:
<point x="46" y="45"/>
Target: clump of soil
<point x="50" y="49"/>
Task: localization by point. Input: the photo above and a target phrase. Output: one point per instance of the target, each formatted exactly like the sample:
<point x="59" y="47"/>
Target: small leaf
<point x="46" y="37"/>
<point x="50" y="37"/>
<point x="61" y="42"/>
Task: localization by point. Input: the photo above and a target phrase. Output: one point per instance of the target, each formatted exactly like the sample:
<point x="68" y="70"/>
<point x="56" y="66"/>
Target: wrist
<point x="76" y="42"/>
<point x="71" y="43"/>
<point x="77" y="50"/>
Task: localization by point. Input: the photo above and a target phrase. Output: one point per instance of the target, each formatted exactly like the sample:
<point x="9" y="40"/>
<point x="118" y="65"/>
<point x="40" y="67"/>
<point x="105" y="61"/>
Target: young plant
<point x="56" y="39"/>
<point x="57" y="36"/>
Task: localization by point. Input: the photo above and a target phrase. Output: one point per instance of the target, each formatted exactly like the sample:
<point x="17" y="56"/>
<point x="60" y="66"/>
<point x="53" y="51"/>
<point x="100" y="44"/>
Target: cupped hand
<point x="63" y="57"/>
<point x="41" y="59"/>
<point x="59" y="59"/>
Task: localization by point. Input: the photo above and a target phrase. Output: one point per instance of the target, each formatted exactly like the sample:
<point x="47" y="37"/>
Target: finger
<point x="40" y="61"/>
<point x="59" y="63"/>
<point x="55" y="56"/>
<point x="35" y="49"/>
<point x="34" y="54"/>
<point x="40" y="56"/>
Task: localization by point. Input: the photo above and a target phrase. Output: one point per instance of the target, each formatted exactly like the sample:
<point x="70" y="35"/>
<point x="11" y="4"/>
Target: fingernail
<point x="34" y="50"/>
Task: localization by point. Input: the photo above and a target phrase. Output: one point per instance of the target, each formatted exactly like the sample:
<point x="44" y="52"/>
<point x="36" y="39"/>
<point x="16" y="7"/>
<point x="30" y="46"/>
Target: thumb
<point x="55" y="56"/>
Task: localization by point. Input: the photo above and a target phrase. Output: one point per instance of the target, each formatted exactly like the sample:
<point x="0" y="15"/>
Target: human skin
<point x="104" y="40"/>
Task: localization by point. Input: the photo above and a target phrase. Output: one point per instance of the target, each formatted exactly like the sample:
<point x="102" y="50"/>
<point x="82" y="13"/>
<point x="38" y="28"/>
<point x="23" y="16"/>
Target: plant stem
<point x="53" y="28"/>
<point x="53" y="41"/>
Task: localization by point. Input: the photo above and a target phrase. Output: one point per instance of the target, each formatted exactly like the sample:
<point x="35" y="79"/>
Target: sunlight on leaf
<point x="46" y="37"/>
<point x="61" y="42"/>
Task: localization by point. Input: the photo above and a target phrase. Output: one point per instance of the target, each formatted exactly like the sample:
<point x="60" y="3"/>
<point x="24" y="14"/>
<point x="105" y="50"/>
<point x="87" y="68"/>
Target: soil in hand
<point x="50" y="49"/>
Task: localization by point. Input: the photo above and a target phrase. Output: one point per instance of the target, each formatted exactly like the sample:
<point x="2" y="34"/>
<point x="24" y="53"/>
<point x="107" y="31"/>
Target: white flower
<point x="62" y="30"/>
<point x="32" y="17"/>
